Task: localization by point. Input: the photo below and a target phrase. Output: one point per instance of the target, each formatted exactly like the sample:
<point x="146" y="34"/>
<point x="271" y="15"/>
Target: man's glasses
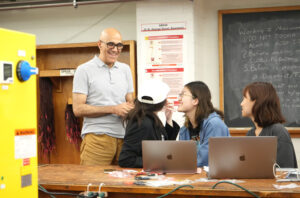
<point x="112" y="45"/>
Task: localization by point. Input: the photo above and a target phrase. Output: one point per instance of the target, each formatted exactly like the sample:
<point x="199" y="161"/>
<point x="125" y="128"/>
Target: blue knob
<point x="24" y="71"/>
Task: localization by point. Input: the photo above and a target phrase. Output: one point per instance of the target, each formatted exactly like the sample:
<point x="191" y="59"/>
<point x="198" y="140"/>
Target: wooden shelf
<point x="57" y="72"/>
<point x="51" y="59"/>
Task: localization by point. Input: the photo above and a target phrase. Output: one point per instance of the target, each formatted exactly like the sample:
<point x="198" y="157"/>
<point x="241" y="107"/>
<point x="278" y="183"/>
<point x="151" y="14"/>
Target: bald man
<point x="102" y="95"/>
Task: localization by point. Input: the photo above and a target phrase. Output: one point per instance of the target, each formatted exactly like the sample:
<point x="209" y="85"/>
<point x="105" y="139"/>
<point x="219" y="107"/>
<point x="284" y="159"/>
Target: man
<point x="103" y="94"/>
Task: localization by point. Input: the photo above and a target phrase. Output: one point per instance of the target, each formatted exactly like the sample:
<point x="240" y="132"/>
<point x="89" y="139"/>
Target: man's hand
<point x="169" y="109"/>
<point x="122" y="109"/>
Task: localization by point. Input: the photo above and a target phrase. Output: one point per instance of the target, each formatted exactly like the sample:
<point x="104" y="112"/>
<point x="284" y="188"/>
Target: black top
<point x="131" y="153"/>
<point x="194" y="133"/>
<point x="286" y="157"/>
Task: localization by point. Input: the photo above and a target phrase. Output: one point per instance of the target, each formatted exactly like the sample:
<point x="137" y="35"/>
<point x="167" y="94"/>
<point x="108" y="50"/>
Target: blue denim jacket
<point x="213" y="126"/>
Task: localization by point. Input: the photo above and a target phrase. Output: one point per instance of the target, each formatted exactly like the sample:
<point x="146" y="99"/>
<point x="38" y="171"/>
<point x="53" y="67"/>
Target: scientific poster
<point x="163" y="55"/>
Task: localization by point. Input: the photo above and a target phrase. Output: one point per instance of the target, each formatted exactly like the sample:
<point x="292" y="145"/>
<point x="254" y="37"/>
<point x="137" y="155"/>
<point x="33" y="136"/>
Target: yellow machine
<point x="18" y="115"/>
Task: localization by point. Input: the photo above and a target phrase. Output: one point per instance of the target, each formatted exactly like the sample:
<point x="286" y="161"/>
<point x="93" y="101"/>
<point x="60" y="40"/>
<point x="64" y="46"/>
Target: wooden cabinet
<point x="59" y="62"/>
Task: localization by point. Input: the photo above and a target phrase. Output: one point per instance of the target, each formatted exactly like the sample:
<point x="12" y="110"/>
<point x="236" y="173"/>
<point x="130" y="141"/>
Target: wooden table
<point x="75" y="178"/>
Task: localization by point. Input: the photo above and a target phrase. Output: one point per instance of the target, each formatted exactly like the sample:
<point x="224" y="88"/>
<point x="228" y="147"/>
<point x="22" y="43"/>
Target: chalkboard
<point x="260" y="45"/>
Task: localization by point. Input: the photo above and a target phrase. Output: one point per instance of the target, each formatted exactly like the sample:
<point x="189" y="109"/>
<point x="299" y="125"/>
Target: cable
<point x="248" y="191"/>
<point x="274" y="169"/>
<point x="101" y="194"/>
<point x="65" y="193"/>
<point x="41" y="188"/>
<point x="175" y="190"/>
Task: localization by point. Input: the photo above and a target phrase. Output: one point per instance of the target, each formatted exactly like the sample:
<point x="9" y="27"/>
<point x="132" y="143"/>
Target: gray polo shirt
<point x="103" y="86"/>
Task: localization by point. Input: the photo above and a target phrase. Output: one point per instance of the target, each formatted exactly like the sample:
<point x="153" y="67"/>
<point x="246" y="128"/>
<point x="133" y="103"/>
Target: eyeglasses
<point x="184" y="94"/>
<point x="112" y="45"/>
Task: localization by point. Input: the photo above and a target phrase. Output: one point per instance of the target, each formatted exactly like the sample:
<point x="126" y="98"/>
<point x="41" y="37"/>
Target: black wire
<point x="62" y="193"/>
<point x="41" y="188"/>
<point x="213" y="187"/>
<point x="228" y="182"/>
<point x="175" y="190"/>
<point x="83" y="196"/>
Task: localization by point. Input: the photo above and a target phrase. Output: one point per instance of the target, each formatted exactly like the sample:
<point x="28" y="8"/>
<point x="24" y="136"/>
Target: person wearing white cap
<point x="144" y="124"/>
<point x="202" y="119"/>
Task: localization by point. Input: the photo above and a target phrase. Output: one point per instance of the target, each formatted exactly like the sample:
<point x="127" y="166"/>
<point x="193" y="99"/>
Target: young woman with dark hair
<point x="261" y="104"/>
<point x="144" y="124"/>
<point x="202" y="120"/>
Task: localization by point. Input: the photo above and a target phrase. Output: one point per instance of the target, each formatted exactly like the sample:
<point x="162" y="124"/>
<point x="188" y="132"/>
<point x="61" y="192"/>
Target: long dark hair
<point x="141" y="110"/>
<point x="266" y="109"/>
<point x="205" y="107"/>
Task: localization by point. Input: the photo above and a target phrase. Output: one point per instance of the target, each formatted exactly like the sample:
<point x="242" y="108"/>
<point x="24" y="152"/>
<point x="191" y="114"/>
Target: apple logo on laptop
<point x="242" y="158"/>
<point x="169" y="157"/>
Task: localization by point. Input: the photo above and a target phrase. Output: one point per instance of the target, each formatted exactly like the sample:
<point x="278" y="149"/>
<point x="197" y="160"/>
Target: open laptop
<point x="242" y="157"/>
<point x="169" y="156"/>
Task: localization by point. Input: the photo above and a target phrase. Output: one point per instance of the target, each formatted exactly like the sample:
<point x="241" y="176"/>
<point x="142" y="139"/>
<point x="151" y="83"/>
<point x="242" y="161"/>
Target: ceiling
<point x="27" y="4"/>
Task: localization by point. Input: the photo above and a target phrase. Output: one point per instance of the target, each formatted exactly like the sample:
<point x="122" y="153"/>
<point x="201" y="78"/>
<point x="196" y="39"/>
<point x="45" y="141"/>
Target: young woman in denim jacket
<point x="202" y="120"/>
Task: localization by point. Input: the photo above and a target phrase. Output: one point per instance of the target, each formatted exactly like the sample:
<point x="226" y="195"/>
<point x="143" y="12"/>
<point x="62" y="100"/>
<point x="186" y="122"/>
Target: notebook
<point x="169" y="156"/>
<point x="242" y="157"/>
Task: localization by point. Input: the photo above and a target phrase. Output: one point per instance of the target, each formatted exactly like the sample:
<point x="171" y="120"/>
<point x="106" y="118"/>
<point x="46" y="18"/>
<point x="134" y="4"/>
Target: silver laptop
<point x="242" y="157"/>
<point x="169" y="156"/>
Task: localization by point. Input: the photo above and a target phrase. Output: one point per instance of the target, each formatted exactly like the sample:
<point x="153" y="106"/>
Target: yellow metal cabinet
<point x="18" y="115"/>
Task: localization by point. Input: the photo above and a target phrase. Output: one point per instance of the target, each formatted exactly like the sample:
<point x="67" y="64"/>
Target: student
<point x="202" y="120"/>
<point x="261" y="104"/>
<point x="144" y="124"/>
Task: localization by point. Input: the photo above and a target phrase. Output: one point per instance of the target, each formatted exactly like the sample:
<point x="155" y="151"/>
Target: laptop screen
<point x="169" y="156"/>
<point x="242" y="157"/>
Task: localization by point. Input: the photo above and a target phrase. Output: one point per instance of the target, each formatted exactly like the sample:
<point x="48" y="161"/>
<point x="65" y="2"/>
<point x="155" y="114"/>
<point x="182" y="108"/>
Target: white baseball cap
<point x="155" y="89"/>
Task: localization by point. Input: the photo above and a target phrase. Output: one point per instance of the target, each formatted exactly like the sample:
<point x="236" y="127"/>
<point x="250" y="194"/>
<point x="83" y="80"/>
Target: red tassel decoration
<point x="46" y="120"/>
<point x="73" y="129"/>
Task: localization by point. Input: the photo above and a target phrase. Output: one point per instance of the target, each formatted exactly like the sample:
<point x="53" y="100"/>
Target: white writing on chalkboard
<point x="263" y="46"/>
